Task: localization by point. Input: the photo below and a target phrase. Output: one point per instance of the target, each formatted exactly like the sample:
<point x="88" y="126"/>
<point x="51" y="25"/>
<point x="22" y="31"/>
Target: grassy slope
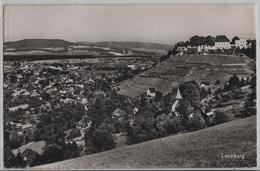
<point x="195" y="149"/>
<point x="138" y="85"/>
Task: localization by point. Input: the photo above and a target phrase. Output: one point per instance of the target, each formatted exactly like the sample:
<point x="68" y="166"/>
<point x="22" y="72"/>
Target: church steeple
<point x="178" y="95"/>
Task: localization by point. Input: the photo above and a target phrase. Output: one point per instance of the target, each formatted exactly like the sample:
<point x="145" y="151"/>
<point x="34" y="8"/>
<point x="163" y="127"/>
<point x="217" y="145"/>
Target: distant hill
<point x="37" y="43"/>
<point x="60" y="47"/>
<point x="47" y="43"/>
<point x="200" y="149"/>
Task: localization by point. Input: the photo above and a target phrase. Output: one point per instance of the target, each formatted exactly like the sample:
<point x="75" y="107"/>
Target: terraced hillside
<point x="177" y="69"/>
<point x="208" y="148"/>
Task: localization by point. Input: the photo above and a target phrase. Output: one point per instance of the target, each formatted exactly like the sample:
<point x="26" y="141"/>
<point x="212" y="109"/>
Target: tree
<point x="15" y="140"/>
<point x="74" y="149"/>
<point x="158" y="96"/>
<point x="52" y="153"/>
<point x="190" y="91"/>
<point x="37" y="134"/>
<point x="220" y="117"/>
<point x="187" y="43"/>
<point x="179" y="44"/>
<point x="233" y="41"/>
<point x="143" y="128"/>
<point x="203" y="92"/>
<point x="249" y="107"/>
<point x="209" y="40"/>
<point x="217" y="82"/>
<point x="233" y="82"/>
<point x="32" y="157"/>
<point x="195" y="40"/>
<point x="102" y="137"/>
<point x="196" y="122"/>
<point x="222" y="38"/>
<point x="242" y="82"/>
<point x="182" y="110"/>
<point x="9" y="157"/>
<point x="18" y="160"/>
<point x="168" y="124"/>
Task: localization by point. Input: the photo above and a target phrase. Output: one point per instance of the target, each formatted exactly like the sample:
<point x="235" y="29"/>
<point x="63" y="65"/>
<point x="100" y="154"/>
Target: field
<point x="207" y="148"/>
<point x="177" y="69"/>
<point x="138" y="85"/>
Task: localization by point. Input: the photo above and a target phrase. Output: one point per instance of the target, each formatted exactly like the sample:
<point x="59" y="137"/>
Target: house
<point x="191" y="115"/>
<point x="133" y="67"/>
<point x="13" y="109"/>
<point x="119" y="113"/>
<point x="151" y="92"/>
<point x="84" y="101"/>
<point x="222" y="42"/>
<point x="135" y="110"/>
<point x="210" y="114"/>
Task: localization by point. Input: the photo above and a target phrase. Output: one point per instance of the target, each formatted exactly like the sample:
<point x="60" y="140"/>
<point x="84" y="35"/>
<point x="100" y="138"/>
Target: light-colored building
<point x="222" y="42"/>
<point x="151" y="93"/>
<point x="222" y="45"/>
<point x="241" y="43"/>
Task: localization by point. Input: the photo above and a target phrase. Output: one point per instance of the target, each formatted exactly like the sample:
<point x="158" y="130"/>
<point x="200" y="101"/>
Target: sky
<point x="165" y="24"/>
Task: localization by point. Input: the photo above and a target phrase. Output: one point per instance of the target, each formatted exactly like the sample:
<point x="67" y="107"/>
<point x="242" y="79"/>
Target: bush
<point x="142" y="129"/>
<point x="190" y="91"/>
<point x="52" y="153"/>
<point x="168" y="124"/>
<point x="32" y="157"/>
<point x="161" y="122"/>
<point x="15" y="140"/>
<point x="71" y="150"/>
<point x="173" y="125"/>
<point x="8" y="157"/>
<point x="220" y="117"/>
<point x="37" y="133"/>
<point x="249" y="111"/>
<point x="102" y="137"/>
<point x="196" y="122"/>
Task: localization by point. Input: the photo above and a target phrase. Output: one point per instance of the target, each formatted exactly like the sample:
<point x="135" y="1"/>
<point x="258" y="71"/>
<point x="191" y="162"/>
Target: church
<point x="176" y="104"/>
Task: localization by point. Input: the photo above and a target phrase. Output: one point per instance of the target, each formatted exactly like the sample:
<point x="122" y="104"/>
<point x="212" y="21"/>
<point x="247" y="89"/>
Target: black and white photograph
<point x="129" y="86"/>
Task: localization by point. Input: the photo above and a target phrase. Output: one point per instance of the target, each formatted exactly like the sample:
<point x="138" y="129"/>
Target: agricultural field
<point x="178" y="69"/>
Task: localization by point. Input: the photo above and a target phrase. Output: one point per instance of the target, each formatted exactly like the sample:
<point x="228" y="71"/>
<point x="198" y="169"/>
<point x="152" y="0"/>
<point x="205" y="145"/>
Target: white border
<point x="145" y="2"/>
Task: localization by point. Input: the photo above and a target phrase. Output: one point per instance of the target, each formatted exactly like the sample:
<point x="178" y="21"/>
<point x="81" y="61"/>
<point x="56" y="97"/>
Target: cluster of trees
<point x="251" y="51"/>
<point x="99" y="137"/>
<point x="249" y="108"/>
<point x="51" y="153"/>
<point x="155" y="118"/>
<point x="51" y="129"/>
<point x="197" y="41"/>
<point x="235" y="82"/>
